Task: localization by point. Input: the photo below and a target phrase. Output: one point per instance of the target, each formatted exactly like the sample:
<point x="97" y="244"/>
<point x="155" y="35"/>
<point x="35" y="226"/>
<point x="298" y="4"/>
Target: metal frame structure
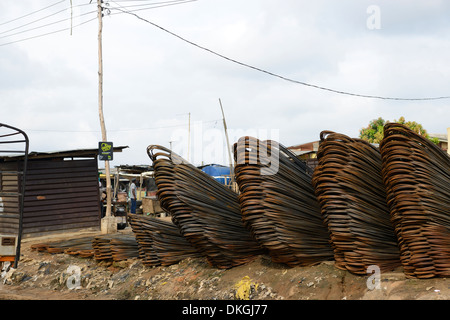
<point x="18" y="143"/>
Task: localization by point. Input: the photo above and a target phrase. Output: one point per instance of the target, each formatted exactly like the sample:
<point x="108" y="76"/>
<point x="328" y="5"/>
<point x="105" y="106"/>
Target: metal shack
<point x="61" y="191"/>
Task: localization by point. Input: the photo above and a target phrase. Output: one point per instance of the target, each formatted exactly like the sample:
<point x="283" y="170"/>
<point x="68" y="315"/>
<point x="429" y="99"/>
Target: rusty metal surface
<point x="79" y="246"/>
<point x="160" y="242"/>
<point x="102" y="247"/>
<point x="144" y="239"/>
<point x="115" y="247"/>
<point x="352" y="196"/>
<point x="280" y="207"/>
<point x="206" y="212"/>
<point x="417" y="177"/>
<point x="124" y="247"/>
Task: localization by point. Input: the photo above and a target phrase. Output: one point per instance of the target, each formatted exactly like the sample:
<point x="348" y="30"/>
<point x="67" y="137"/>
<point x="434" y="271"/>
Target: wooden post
<point x="189" y="138"/>
<point x="228" y="147"/>
<point x="110" y="225"/>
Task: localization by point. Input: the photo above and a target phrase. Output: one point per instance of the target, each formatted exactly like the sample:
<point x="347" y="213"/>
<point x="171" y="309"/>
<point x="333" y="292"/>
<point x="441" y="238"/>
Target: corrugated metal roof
<point x="81" y="153"/>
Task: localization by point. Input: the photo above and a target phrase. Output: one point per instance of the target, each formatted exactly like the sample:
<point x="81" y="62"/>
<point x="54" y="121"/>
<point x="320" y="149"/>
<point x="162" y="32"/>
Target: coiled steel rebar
<point x="206" y="212"/>
<point x="161" y="241"/>
<point x="352" y="196"/>
<point x="416" y="173"/>
<point x="278" y="203"/>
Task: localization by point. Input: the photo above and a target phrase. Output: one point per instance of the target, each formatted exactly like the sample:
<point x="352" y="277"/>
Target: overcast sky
<point x="154" y="80"/>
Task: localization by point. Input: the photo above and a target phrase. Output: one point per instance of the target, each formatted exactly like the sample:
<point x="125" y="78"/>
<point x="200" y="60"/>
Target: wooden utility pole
<point x="228" y="147"/>
<point x="111" y="226"/>
<point x="189" y="138"/>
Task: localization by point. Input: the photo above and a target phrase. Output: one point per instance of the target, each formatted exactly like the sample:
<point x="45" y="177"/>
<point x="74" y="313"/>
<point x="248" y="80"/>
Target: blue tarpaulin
<point x="218" y="172"/>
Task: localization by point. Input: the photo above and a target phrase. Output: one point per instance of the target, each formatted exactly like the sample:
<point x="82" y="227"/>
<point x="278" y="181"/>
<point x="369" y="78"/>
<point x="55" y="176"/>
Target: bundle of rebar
<point x="352" y="197"/>
<point x="145" y="242"/>
<point x="206" y="212"/>
<point x="416" y="173"/>
<point x="278" y="203"/>
<point x="162" y="242"/>
<point x="124" y="247"/>
<point x="116" y="247"/>
<point x="102" y="247"/>
<point x="78" y="246"/>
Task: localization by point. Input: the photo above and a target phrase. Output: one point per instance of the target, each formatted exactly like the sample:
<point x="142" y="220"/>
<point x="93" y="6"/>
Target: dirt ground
<point x="44" y="276"/>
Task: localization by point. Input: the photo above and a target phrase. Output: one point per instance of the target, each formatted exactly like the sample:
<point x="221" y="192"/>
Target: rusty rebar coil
<point x="416" y="173"/>
<point x="206" y="212"/>
<point x="352" y="197"/>
<point x="278" y="203"/>
<point x="162" y="242"/>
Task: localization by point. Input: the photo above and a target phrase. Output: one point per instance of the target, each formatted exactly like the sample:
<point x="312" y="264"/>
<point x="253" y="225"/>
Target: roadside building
<point x="61" y="191"/>
<point x="443" y="140"/>
<point x="306" y="152"/>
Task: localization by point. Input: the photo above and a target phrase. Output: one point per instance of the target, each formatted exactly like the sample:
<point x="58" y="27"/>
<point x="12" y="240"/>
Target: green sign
<point x="105" y="151"/>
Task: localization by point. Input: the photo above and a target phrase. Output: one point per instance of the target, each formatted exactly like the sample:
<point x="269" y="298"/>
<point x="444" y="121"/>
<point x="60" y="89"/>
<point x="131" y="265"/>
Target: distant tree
<point x="374" y="132"/>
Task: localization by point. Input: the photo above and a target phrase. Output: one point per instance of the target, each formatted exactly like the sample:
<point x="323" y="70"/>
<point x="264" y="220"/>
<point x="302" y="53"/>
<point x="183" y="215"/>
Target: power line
<point x="46" y="25"/>
<point x="175" y="2"/>
<point x="277" y="75"/>
<point x="48" y="33"/>
<point x="40" y="19"/>
<point x="152" y="1"/>
<point x="31" y="13"/>
<point x="118" y="130"/>
<point x="152" y="5"/>
<point x="147" y="4"/>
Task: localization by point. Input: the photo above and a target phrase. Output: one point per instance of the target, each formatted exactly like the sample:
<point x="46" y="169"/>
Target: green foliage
<point x="374" y="132"/>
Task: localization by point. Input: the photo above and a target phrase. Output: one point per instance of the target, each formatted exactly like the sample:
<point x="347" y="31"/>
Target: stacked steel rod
<point x="102" y="247"/>
<point x="161" y="241"/>
<point x="115" y="247"/>
<point x="124" y="247"/>
<point x="417" y="177"/>
<point x="144" y="239"/>
<point x="278" y="203"/>
<point x="352" y="196"/>
<point x="79" y="246"/>
<point x="206" y="212"/>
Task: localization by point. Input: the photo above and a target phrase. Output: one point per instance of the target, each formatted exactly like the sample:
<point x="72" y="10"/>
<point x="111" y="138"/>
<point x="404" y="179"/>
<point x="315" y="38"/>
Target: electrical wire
<point x="175" y="2"/>
<point x="152" y="5"/>
<point x="48" y="33"/>
<point x="148" y="4"/>
<point x="277" y="75"/>
<point x="46" y="25"/>
<point x="119" y="130"/>
<point x="31" y="13"/>
<point x="45" y="17"/>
